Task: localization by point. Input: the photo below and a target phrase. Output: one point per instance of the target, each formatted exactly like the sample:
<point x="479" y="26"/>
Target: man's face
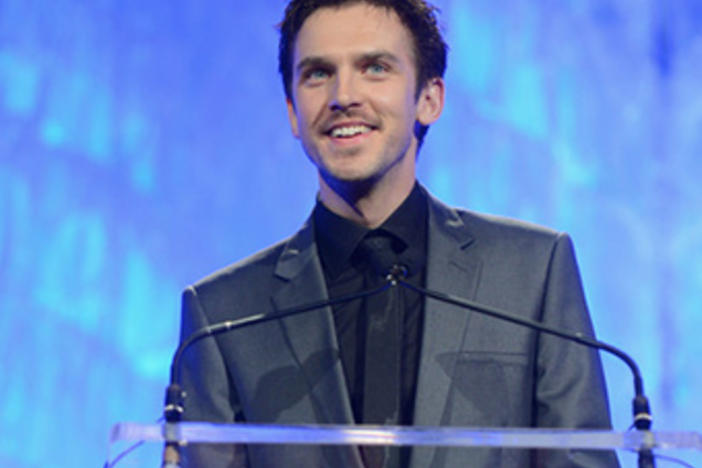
<point x="354" y="92"/>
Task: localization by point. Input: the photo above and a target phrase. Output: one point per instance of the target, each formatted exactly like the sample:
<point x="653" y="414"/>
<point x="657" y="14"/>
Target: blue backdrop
<point x="145" y="144"/>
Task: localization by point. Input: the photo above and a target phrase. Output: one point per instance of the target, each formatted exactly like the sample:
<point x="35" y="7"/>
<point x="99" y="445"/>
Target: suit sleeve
<point x="570" y="389"/>
<point x="209" y="396"/>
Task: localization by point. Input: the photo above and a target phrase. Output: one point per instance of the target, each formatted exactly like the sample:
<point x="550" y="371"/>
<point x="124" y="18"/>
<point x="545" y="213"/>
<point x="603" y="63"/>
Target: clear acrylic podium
<point x="154" y="435"/>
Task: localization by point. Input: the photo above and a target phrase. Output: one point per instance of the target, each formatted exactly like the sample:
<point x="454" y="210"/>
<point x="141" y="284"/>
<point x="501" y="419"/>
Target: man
<point x="363" y="81"/>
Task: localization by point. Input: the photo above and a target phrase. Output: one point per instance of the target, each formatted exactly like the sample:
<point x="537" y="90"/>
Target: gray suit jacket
<point x="474" y="370"/>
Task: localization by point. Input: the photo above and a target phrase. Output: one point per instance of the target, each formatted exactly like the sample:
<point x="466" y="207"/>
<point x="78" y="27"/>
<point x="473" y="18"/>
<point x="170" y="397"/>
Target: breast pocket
<point x="491" y="389"/>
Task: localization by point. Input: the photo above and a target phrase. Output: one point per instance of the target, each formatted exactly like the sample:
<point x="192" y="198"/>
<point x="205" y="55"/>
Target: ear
<point x="431" y="101"/>
<point x="292" y="116"/>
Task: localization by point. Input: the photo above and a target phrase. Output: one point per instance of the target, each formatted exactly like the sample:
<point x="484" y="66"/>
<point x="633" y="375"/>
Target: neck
<point x="368" y="203"/>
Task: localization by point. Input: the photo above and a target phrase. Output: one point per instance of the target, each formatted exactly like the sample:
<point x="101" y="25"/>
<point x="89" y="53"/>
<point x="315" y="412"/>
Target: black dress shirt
<point x="337" y="241"/>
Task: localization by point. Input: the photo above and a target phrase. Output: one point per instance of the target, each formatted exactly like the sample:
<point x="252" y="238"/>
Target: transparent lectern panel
<point x="214" y="445"/>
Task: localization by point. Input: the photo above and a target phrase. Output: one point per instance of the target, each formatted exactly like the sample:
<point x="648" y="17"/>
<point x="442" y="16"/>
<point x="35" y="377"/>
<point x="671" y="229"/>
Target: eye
<point x="315" y="75"/>
<point x="376" y="68"/>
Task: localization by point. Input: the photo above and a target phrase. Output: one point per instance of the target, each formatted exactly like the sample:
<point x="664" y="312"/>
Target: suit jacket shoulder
<point x="502" y="231"/>
<point x="246" y="287"/>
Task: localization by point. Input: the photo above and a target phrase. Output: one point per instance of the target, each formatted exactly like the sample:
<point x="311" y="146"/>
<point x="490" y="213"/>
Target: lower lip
<point x="350" y="141"/>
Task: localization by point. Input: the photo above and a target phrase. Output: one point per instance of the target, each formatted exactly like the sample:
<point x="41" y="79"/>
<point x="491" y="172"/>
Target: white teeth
<point x="352" y="130"/>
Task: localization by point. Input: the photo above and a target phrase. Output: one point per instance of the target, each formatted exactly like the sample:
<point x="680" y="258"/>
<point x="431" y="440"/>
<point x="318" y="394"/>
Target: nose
<point x="344" y="92"/>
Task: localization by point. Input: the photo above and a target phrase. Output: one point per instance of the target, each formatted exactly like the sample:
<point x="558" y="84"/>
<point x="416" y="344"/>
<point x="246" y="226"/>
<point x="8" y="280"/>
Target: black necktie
<point x="381" y="389"/>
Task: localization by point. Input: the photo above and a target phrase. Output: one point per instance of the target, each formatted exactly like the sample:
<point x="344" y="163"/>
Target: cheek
<point x="397" y="101"/>
<point x="310" y="105"/>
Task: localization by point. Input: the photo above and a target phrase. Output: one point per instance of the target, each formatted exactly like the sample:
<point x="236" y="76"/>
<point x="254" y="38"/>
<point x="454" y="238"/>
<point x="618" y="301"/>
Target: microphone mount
<point x="396" y="274"/>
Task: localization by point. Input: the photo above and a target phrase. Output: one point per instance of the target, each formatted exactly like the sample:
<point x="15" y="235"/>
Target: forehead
<point x="336" y="32"/>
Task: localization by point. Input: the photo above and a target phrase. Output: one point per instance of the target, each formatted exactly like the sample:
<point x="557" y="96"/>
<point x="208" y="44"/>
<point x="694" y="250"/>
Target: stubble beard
<point x="355" y="186"/>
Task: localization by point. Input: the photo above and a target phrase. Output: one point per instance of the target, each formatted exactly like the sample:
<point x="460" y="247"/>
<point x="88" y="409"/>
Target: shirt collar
<point x="338" y="237"/>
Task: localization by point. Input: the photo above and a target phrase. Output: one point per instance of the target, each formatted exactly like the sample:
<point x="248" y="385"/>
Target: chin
<point x="349" y="178"/>
<point x="355" y="174"/>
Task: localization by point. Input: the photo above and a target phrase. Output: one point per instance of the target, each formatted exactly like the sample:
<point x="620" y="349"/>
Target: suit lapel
<point x="452" y="268"/>
<point x="310" y="335"/>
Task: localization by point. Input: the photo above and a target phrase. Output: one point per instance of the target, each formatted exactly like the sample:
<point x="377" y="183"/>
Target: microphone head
<point x="379" y="251"/>
<point x="398" y="271"/>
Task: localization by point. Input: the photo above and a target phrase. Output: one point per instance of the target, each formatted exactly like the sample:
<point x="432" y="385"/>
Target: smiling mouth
<point x="349" y="131"/>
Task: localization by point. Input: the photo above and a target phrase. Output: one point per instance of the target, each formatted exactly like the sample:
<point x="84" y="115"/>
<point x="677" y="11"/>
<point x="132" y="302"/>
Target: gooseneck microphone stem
<point x="641" y="409"/>
<point x="173" y="409"/>
<point x="221" y="327"/>
<point x="502" y="315"/>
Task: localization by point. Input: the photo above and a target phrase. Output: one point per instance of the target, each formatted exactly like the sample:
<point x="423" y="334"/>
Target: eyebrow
<point x="311" y="62"/>
<point x="319" y="61"/>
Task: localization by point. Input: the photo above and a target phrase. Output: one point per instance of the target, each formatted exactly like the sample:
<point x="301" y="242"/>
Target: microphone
<point x="175" y="396"/>
<point x="396" y="274"/>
